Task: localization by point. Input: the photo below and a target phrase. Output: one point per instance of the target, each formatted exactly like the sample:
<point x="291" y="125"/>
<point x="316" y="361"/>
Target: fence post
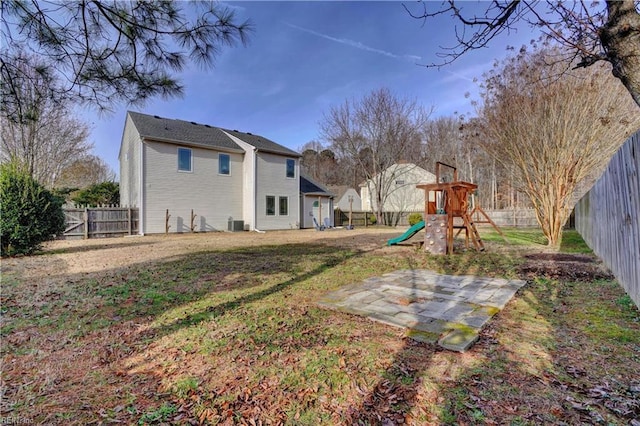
<point x="129" y="221"/>
<point x="86" y="223"/>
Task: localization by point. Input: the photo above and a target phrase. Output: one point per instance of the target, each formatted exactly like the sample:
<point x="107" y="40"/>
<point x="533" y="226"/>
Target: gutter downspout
<point x="255" y="191"/>
<point x="141" y="193"/>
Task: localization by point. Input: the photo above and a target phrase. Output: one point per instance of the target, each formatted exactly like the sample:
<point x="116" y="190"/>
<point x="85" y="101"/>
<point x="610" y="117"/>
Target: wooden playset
<point x="447" y="209"/>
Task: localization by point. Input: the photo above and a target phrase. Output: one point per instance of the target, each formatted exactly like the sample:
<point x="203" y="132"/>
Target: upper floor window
<point x="400" y="182"/>
<point x="291" y="168"/>
<point x="223" y="164"/>
<point x="185" y="161"/>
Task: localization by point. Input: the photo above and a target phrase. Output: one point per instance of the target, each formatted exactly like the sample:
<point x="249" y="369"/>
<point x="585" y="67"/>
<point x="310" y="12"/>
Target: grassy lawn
<point x="233" y="336"/>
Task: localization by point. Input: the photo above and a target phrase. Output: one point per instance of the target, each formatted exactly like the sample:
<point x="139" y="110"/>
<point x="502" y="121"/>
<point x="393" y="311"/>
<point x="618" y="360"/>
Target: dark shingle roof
<point x="179" y="131"/>
<point x="262" y="143"/>
<point x="191" y="133"/>
<point x="308" y="186"/>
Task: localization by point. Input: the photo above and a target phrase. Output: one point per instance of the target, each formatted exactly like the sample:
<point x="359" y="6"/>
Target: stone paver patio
<point x="446" y="309"/>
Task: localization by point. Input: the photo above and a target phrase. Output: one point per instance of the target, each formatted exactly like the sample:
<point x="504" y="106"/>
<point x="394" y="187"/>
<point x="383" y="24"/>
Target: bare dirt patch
<point x="564" y="266"/>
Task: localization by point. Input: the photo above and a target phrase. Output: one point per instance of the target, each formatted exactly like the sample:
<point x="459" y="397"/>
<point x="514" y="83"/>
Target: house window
<point x="400" y="182"/>
<point x="185" y="163"/>
<point x="223" y="164"/>
<point x="291" y="168"/>
<point x="271" y="205"/>
<point x="284" y="206"/>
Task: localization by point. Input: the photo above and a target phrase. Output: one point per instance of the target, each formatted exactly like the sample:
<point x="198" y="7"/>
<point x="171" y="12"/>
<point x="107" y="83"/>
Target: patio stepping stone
<point x="434" y="308"/>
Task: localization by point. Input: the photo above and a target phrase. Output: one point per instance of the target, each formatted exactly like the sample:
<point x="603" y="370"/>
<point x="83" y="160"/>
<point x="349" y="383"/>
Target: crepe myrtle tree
<point x="551" y="128"/>
<point x="591" y="32"/>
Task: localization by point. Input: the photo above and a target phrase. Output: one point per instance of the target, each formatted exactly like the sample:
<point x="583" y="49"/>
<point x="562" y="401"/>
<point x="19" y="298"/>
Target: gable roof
<point x="340" y="190"/>
<point x="309" y="187"/>
<point x="204" y="135"/>
<point x="262" y="144"/>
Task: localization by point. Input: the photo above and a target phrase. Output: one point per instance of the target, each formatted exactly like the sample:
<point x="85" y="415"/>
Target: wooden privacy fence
<point x="359" y="218"/>
<point x="608" y="217"/>
<point x="100" y="222"/>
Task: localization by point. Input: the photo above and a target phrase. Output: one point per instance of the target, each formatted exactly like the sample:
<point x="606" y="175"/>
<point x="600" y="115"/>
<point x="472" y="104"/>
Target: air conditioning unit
<point x="235" y="225"/>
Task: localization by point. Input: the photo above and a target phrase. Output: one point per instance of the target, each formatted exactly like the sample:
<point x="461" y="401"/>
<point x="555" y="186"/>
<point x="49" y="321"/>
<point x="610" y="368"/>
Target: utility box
<point x="235" y="225"/>
<point x="435" y="237"/>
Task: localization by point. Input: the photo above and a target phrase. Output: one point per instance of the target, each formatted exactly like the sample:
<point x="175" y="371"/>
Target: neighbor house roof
<point x="309" y="187"/>
<point x="340" y="190"/>
<point x="204" y="135"/>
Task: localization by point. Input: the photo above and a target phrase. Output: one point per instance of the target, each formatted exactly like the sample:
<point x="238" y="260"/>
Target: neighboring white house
<point x="316" y="203"/>
<point x="222" y="175"/>
<point x="398" y="182"/>
<point x="346" y="198"/>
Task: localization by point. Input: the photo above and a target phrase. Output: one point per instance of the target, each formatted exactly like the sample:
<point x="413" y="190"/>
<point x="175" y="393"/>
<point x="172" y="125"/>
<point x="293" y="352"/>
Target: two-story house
<point x="169" y="168"/>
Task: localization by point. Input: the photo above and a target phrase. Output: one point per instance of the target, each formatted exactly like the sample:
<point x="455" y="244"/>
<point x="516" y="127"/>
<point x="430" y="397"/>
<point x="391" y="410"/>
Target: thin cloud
<point x="232" y="6"/>
<point x="469" y="74"/>
<point x="356" y="44"/>
<point x="455" y="76"/>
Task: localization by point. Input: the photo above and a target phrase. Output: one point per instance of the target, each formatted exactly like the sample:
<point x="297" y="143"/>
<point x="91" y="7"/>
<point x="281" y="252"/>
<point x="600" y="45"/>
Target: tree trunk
<point x="620" y="37"/>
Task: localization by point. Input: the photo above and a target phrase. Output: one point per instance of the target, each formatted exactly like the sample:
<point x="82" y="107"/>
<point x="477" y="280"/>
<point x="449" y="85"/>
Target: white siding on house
<point x="214" y="198"/>
<point x="343" y="202"/>
<point x="402" y="194"/>
<point x="129" y="166"/>
<point x="272" y="180"/>
<point x="249" y="183"/>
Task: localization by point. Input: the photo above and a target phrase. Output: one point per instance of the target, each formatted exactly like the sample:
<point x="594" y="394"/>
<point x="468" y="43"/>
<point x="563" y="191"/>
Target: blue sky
<point x="305" y="57"/>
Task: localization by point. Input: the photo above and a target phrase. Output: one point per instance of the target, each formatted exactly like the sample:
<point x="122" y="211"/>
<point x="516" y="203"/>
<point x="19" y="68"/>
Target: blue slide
<point x="410" y="233"/>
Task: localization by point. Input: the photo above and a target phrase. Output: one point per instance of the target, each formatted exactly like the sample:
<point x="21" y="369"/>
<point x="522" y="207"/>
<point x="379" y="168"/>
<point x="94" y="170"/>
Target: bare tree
<point x="373" y="133"/>
<point x="101" y="52"/>
<point x="309" y="160"/>
<point x="591" y="31"/>
<point x="552" y="128"/>
<point x="43" y="136"/>
<point x="444" y="142"/>
<point x="454" y="140"/>
<point x="85" y="171"/>
<point x="321" y="164"/>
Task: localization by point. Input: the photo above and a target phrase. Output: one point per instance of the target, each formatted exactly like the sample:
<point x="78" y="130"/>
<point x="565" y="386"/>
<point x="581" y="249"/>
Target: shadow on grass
<point x="86" y="303"/>
<point x="560" y="353"/>
<point x="277" y="261"/>
<point x="93" y="247"/>
<point x="187" y="290"/>
<point x="100" y="311"/>
<point x="396" y="397"/>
